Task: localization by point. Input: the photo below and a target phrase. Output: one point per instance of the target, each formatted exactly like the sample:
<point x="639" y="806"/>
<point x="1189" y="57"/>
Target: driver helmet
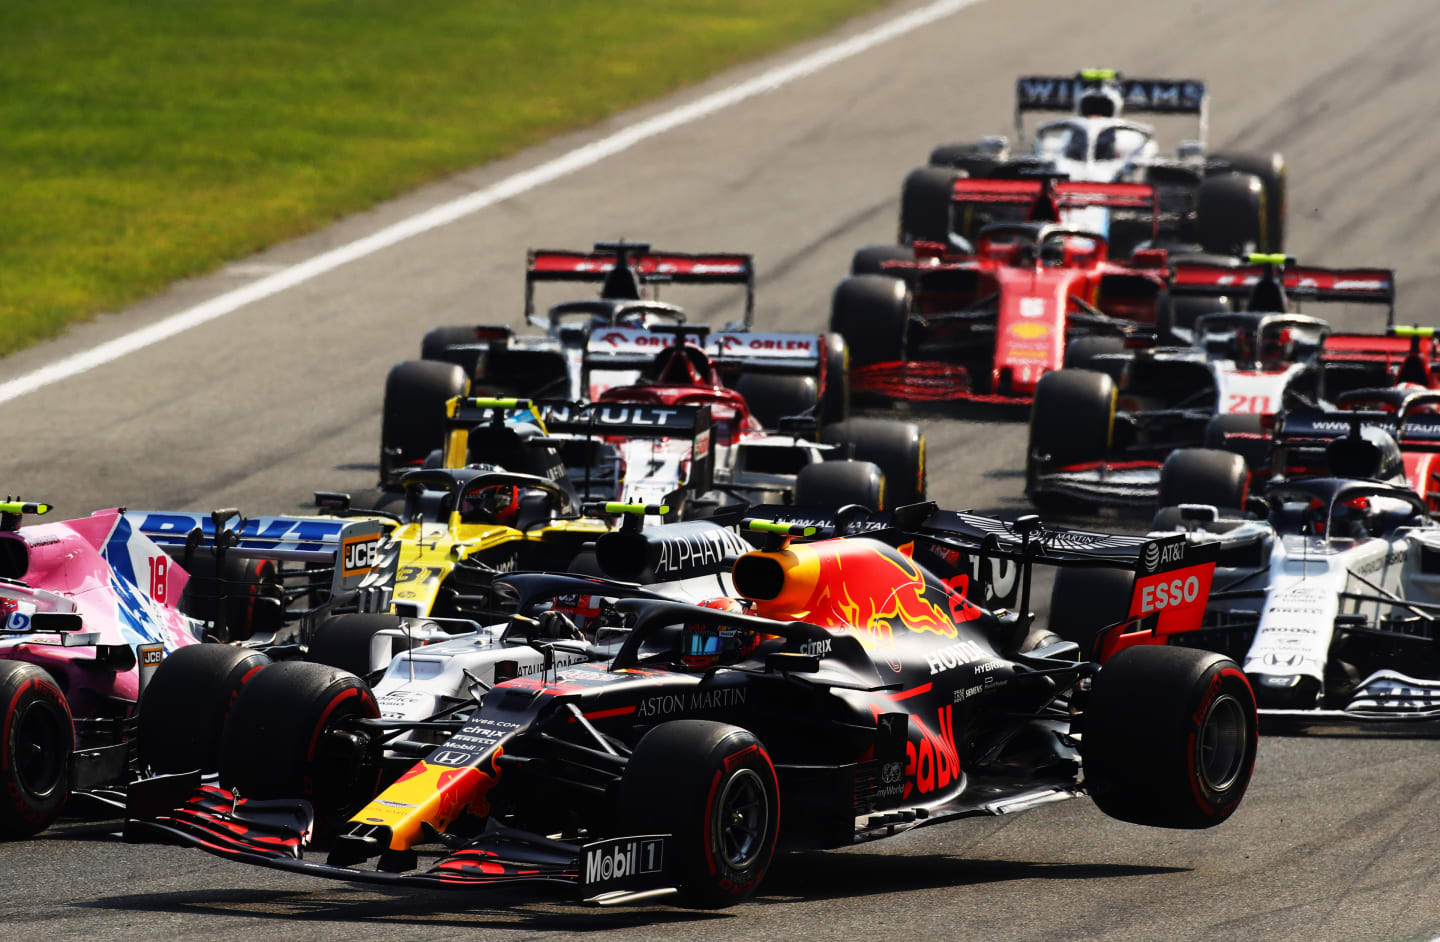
<point x="1277" y="346"/>
<point x="708" y="646"/>
<point x="1099" y="103"/>
<point x="499" y="504"/>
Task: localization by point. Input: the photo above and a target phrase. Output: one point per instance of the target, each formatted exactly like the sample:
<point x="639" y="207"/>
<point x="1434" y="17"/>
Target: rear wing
<point x="590" y="420"/>
<point x="1067" y="194"/>
<point x="1162" y="96"/>
<point x="1412" y="431"/>
<point x="358" y="552"/>
<point x="1139" y="199"/>
<point x="647" y="267"/>
<point x="635" y="347"/>
<point x="1300" y="282"/>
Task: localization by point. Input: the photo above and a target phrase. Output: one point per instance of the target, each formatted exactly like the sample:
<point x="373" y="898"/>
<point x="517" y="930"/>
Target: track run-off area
<point x="278" y="395"/>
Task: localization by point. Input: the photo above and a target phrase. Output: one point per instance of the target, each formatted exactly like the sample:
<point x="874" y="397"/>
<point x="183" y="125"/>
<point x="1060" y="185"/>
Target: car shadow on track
<point x="820" y="876"/>
<point x="810" y="877"/>
<point x="353" y="904"/>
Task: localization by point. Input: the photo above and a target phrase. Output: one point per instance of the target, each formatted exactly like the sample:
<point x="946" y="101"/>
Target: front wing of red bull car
<point x="854" y="688"/>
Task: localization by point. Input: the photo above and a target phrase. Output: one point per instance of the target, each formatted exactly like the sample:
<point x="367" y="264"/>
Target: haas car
<point x="928" y="323"/>
<point x="853" y="688"/>
<point x="1101" y="428"/>
<point x="90" y="607"/>
<point x="1218" y="203"/>
<point x="594" y="344"/>
<point x="1327" y="588"/>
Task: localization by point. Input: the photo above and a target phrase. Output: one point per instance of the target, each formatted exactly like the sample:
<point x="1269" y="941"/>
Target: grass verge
<point x="147" y="141"/>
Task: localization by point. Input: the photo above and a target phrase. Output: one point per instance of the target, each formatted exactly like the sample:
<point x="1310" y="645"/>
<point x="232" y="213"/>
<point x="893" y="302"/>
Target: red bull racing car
<point x="857" y="688"/>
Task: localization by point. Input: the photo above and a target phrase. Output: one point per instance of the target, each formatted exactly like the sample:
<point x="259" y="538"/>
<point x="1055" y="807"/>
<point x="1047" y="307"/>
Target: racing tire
<point x="966" y="157"/>
<point x="870" y="259"/>
<point x="1081" y="354"/>
<point x="1270" y="170"/>
<point x="413" y="420"/>
<point x="834" y="484"/>
<point x="1083" y="602"/>
<point x="835" y="396"/>
<point x="1182" y="313"/>
<point x="344" y="641"/>
<point x="1169" y="737"/>
<point x="37" y="742"/>
<point x="439" y="345"/>
<point x="712" y="787"/>
<point x="772" y="397"/>
<point x="1230" y="214"/>
<point x="254" y="599"/>
<point x="183" y="709"/>
<point x="283" y="740"/>
<point x="1203" y="476"/>
<point x="898" y="448"/>
<point x="1254" y="447"/>
<point x="872" y="313"/>
<point x="925" y="199"/>
<point x="1071" y="420"/>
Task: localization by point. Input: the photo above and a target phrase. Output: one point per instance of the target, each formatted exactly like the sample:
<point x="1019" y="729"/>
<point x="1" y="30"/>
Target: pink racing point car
<point x="90" y="607"/>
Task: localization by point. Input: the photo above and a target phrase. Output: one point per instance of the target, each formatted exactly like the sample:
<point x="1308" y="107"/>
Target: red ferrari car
<point x="927" y="322"/>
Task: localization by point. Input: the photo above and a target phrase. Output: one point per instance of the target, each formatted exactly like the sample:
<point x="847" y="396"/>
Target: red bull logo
<point x="866" y="586"/>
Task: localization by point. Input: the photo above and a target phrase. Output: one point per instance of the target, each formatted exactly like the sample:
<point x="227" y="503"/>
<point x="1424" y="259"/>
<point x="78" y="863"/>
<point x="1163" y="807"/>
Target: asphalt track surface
<point x="1336" y="838"/>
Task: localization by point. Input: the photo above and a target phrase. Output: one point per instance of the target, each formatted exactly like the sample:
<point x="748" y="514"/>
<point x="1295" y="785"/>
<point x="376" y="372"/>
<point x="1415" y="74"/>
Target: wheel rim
<point x="39" y="745"/>
<point x="1221" y="743"/>
<point x="742" y="816"/>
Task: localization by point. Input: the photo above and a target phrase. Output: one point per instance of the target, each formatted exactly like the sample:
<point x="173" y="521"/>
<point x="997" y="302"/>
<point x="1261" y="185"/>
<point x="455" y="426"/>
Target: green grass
<point x="144" y="141"/>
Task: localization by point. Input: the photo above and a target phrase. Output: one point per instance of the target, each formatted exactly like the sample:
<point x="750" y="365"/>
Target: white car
<point x="1328" y="592"/>
<point x="1220" y="203"/>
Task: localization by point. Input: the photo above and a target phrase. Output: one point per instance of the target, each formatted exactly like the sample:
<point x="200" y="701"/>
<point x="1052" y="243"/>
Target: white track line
<point x="446" y="213"/>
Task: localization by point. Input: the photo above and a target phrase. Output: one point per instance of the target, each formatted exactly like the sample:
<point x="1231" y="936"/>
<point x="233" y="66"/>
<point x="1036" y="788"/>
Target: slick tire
<point x="286" y="738"/>
<point x="774" y="397"/>
<point x="713" y="787"/>
<point x="37" y="742"/>
<point x="872" y="313"/>
<point x="1182" y="313"/>
<point x="440" y="343"/>
<point x="413" y="421"/>
<point x="966" y="157"/>
<point x="835" y="484"/>
<point x="1169" y="736"/>
<point x="870" y="259"/>
<point x="184" y="707"/>
<point x="1071" y="420"/>
<point x="1270" y="170"/>
<point x="254" y="600"/>
<point x="898" y="448"/>
<point x="1242" y="434"/>
<point x="1082" y="352"/>
<point x="344" y="641"/>
<point x="1230" y="214"/>
<point x="1083" y="602"/>
<point x="1203" y="476"/>
<point x="925" y="200"/>
<point x="835" y="394"/>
